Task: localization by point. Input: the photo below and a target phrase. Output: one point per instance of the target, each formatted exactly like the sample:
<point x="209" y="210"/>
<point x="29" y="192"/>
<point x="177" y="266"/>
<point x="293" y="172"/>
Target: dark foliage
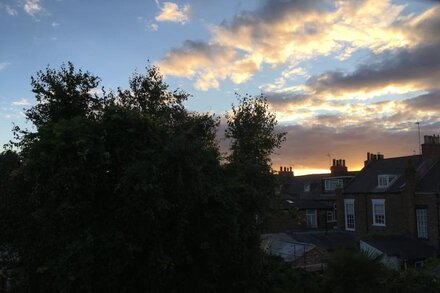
<point x="125" y="192"/>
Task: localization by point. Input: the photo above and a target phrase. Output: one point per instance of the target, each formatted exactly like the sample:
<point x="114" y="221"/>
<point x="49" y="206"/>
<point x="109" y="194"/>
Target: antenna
<point x="329" y="159"/>
<point x="420" y="146"/>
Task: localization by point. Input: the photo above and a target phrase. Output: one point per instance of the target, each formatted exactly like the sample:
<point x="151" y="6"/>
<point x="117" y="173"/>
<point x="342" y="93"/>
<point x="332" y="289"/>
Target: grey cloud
<point x="430" y="101"/>
<point x="283" y="99"/>
<point x="420" y="65"/>
<point x="273" y="10"/>
<point x="427" y="28"/>
<point x="200" y="47"/>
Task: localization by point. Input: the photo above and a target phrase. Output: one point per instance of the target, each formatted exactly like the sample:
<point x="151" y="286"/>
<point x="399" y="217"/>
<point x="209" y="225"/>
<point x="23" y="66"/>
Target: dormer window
<point x="384" y="181"/>
<point x="333" y="184"/>
<point x="307" y="187"/>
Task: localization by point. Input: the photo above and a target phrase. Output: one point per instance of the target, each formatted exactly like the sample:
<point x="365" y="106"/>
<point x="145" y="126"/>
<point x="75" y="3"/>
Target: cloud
<point x="287" y="32"/>
<point x="152" y="27"/>
<point x="55" y="24"/>
<point x="306" y="147"/>
<point x="32" y="7"/>
<point x="206" y="62"/>
<point x="10" y="11"/>
<point x="415" y="68"/>
<point x="22" y="102"/>
<point x="3" y="65"/>
<point x="173" y="13"/>
<point x="427" y="102"/>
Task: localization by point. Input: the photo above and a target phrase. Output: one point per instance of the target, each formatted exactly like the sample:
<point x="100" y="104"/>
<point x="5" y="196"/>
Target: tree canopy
<point x="125" y="191"/>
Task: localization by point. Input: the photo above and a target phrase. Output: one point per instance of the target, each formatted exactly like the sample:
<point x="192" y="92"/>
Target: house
<point x="311" y="198"/>
<point x="302" y="255"/>
<point x="398" y="197"/>
<point x="398" y="252"/>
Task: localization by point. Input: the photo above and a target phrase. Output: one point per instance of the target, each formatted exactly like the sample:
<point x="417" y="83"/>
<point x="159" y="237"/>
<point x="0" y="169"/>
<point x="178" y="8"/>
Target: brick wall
<point x="400" y="217"/>
<point x="284" y="220"/>
<point x="395" y="220"/>
<point x="429" y="201"/>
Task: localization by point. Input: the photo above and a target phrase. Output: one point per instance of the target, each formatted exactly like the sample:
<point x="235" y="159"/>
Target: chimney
<point x="338" y="168"/>
<point x="373" y="157"/>
<point x="431" y="147"/>
<point x="286" y="171"/>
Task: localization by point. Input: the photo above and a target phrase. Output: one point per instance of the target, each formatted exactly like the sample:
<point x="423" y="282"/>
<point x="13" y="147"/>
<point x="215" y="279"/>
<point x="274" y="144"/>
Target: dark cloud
<point x="280" y="100"/>
<point x="200" y="48"/>
<point x="427" y="102"/>
<point x="420" y="65"/>
<point x="427" y="27"/>
<point x="274" y="10"/>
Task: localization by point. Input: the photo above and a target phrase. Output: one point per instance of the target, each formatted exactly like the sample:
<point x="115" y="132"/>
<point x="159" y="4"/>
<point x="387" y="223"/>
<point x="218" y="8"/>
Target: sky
<point x="344" y="77"/>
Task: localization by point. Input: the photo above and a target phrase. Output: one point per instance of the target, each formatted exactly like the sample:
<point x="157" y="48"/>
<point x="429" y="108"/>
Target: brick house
<point x="398" y="198"/>
<point x="312" y="198"/>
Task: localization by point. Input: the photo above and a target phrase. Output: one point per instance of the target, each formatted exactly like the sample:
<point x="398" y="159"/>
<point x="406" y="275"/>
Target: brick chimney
<point x="285" y="171"/>
<point x="338" y="168"/>
<point x="373" y="157"/>
<point x="431" y="147"/>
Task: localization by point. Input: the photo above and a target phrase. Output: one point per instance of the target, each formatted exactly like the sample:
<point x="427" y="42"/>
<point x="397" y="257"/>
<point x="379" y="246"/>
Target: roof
<point x="430" y="182"/>
<point x="289" y="201"/>
<point x="367" y="180"/>
<point x="285" y="246"/>
<point x="410" y="249"/>
<point x="329" y="240"/>
<point x="295" y="185"/>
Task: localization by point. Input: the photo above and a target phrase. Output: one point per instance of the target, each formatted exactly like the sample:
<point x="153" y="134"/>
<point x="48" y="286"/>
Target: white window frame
<point x="388" y="178"/>
<point x="314" y="219"/>
<point x="375" y="202"/>
<point x="330" y="216"/>
<point x="333" y="184"/>
<point x="346" y="203"/>
<point x="422" y="223"/>
<point x="306" y="187"/>
<point x="334" y="217"/>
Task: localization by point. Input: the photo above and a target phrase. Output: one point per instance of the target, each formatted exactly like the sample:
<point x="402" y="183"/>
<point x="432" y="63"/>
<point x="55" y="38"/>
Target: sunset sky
<point x="344" y="77"/>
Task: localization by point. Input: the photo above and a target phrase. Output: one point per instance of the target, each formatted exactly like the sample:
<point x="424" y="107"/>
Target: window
<point x="307" y="187"/>
<point x="331" y="216"/>
<point x="385" y="180"/>
<point x="378" y="212"/>
<point x="349" y="215"/>
<point x="332" y="184"/>
<point x="311" y="219"/>
<point x="422" y="223"/>
<point x="419" y="264"/>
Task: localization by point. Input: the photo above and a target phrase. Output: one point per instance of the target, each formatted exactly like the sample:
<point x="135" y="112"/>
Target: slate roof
<point x="367" y="180"/>
<point x="295" y="185"/>
<point x="285" y="246"/>
<point x="404" y="248"/>
<point x="293" y="194"/>
<point x="430" y="182"/>
<point x="329" y="240"/>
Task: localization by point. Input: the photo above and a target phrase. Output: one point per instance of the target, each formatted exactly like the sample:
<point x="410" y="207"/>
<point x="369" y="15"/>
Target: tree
<point x="64" y="94"/>
<point x="251" y="130"/>
<point x="125" y="192"/>
<point x="354" y="271"/>
<point x="412" y="281"/>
